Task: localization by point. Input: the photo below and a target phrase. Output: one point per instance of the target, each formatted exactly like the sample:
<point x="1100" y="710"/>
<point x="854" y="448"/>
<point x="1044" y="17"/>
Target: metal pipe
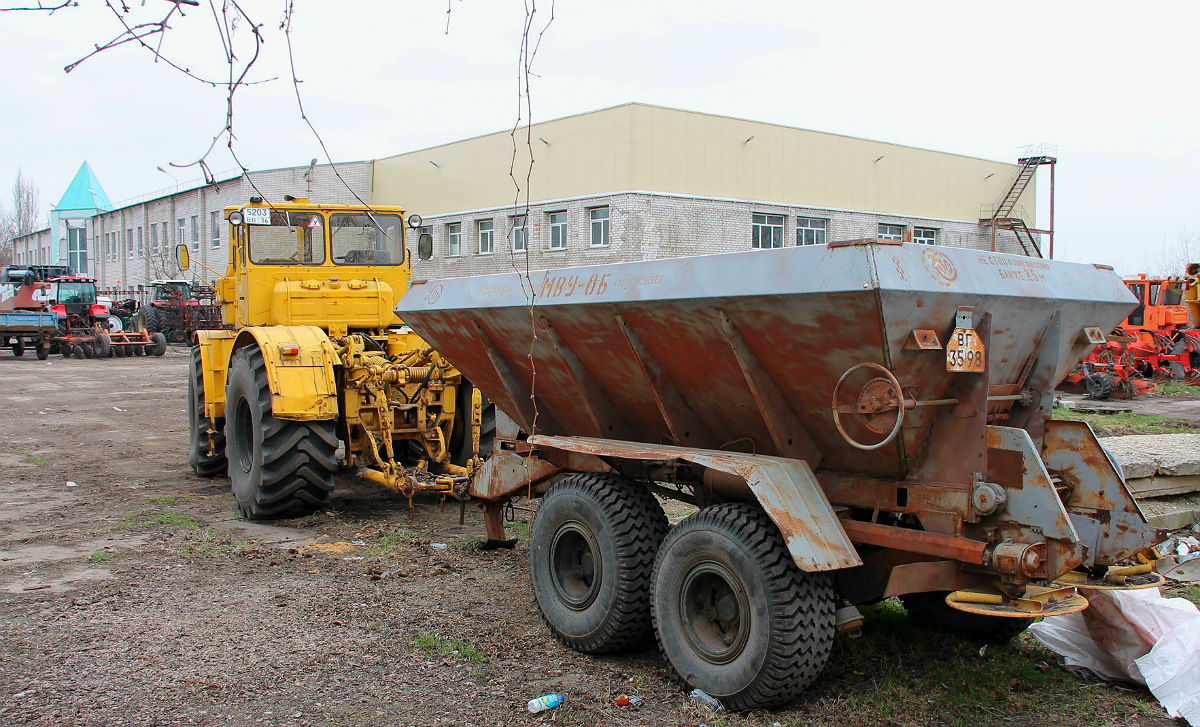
<point x="916" y="541"/>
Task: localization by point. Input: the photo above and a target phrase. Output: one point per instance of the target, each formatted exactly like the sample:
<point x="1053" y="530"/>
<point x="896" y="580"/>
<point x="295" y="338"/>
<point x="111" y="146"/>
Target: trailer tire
<point x="18" y="347"/>
<point x="733" y="614"/>
<point x="930" y="610"/>
<point x="591" y="556"/>
<point x="119" y="351"/>
<point x="43" y="351"/>
<point x="278" y="467"/>
<point x="102" y="346"/>
<point x="157" y="345"/>
<point x="202" y="462"/>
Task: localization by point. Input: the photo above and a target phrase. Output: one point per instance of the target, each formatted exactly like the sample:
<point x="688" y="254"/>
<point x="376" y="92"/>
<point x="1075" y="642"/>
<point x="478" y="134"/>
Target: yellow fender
<point x="300" y="362"/>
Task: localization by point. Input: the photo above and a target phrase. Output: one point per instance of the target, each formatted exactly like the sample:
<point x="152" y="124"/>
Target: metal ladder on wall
<point x="1001" y="217"/>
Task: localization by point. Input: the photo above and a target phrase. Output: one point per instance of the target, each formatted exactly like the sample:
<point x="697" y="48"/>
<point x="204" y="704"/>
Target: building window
<point x="154" y="239"/>
<point x="485" y="237"/>
<point x="196" y="232"/>
<point x="558" y="231"/>
<point x="599" y="217"/>
<point x="141" y="242"/>
<point x="925" y="235"/>
<point x="214" y="225"/>
<point x="181" y="231"/>
<point x="77" y="249"/>
<point x="810" y="231"/>
<point x="767" y="232"/>
<point x="454" y="239"/>
<point x="129" y="243"/>
<point x="518" y="234"/>
<point x="891" y="232"/>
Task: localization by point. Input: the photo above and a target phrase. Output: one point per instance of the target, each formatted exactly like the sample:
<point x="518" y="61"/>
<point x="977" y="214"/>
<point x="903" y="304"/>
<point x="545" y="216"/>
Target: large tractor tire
<point x="931" y="610"/>
<point x="151" y="319"/>
<point x="278" y="467"/>
<point x="733" y="614"/>
<point x="205" y="461"/>
<point x="460" y="440"/>
<point x="591" y="556"/>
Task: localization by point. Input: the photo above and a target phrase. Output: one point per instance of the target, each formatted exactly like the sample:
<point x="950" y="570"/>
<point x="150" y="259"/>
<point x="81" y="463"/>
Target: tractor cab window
<point x="76" y="293"/>
<point x="166" y="291"/>
<point x="292" y="238"/>
<point x="1138" y="317"/>
<point x="366" y="239"/>
<point x="1173" y="294"/>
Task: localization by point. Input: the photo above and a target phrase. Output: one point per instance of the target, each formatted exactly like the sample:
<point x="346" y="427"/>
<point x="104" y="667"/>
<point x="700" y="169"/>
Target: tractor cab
<point x="298" y="263"/>
<point x="171" y="291"/>
<point x="1160" y="303"/>
<point x="74" y="297"/>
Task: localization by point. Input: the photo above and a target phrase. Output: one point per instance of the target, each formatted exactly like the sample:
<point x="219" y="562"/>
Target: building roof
<point x="84" y="194"/>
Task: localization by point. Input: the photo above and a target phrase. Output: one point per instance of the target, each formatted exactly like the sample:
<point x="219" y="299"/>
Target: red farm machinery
<point x="1156" y="343"/>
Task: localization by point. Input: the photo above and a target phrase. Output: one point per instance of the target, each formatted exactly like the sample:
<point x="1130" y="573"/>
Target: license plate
<point x="964" y="352"/>
<point x="256" y="215"/>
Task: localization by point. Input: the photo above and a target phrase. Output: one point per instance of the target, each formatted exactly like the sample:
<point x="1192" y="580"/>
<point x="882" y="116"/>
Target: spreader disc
<point x="1039" y="601"/>
<point x="1081" y="579"/>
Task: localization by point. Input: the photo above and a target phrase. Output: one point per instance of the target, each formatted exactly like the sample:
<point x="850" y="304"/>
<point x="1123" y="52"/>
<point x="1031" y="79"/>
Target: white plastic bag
<point x="1136" y="636"/>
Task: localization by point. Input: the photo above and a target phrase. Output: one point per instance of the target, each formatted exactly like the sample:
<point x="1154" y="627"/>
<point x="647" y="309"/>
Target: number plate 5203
<point x="964" y="352"/>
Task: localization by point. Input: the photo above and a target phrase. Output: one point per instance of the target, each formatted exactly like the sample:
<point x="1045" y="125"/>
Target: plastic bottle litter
<point x="541" y="704"/>
<point x="704" y="699"/>
<point x="443" y="546"/>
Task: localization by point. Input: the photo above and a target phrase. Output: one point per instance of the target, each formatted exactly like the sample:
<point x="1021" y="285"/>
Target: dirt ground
<point x="130" y="595"/>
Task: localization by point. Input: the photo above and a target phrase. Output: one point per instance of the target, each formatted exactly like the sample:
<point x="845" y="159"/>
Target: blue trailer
<point x="28" y="329"/>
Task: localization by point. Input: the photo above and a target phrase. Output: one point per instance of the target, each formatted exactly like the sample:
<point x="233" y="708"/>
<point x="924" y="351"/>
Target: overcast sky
<point x="1112" y="85"/>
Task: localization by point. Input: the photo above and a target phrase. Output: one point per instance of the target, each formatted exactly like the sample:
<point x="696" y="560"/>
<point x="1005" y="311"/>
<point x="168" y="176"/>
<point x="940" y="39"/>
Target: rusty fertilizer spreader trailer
<point x="855" y="422"/>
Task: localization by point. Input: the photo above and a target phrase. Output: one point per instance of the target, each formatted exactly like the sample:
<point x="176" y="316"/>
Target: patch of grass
<point x="206" y="542"/>
<point x="150" y="518"/>
<point x="1129" y="423"/>
<point x="102" y="555"/>
<point x="165" y="501"/>
<point x="30" y="456"/>
<point x="436" y="645"/>
<point x="902" y="674"/>
<point x="464" y="544"/>
<point x="390" y="543"/>
<point x="1176" y="391"/>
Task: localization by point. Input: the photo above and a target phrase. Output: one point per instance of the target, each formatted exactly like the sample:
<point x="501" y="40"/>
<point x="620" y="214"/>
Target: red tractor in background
<point x="179" y="308"/>
<point x="1155" y="344"/>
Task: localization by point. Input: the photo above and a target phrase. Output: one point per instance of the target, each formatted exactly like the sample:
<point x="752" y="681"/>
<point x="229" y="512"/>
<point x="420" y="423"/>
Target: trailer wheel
<point x="203" y="462"/>
<point x="78" y="351"/>
<point x="733" y="614"/>
<point x="18" y="347"/>
<point x="43" y="350"/>
<point x="591" y="555"/>
<point x="1099" y="386"/>
<point x="930" y="609"/>
<point x="102" y="346"/>
<point x="277" y="466"/>
<point x="157" y="345"/>
<point x="119" y="351"/>
<point x="138" y="349"/>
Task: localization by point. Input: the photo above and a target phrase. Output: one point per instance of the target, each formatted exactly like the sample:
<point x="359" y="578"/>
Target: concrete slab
<point x="1151" y="455"/>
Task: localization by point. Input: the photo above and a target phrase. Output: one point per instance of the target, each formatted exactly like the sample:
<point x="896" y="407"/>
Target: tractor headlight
<point x="414" y="221"/>
<point x="235" y="218"/>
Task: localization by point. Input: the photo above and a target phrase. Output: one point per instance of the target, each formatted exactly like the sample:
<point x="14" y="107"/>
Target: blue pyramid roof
<point x="84" y="193"/>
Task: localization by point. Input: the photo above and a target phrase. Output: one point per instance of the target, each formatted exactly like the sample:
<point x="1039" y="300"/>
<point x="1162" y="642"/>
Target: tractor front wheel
<point x="278" y="467"/>
<point x="206" y="437"/>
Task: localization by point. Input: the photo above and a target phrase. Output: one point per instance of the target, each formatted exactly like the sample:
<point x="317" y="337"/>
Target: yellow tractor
<point x="317" y="372"/>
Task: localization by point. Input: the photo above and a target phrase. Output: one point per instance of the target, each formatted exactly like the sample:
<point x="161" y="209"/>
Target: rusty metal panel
<point x="786" y="488"/>
<point x="1101" y="506"/>
<point x="803" y="316"/>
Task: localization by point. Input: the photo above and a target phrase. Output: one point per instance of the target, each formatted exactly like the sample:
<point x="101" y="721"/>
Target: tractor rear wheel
<point x="733" y="614"/>
<point x="151" y="319"/>
<point x="930" y="610"/>
<point x="157" y="345"/>
<point x="18" y="347"/>
<point x="460" y="440"/>
<point x="277" y="467"/>
<point x="591" y="555"/>
<point x="205" y="461"/>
